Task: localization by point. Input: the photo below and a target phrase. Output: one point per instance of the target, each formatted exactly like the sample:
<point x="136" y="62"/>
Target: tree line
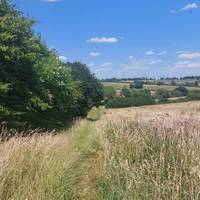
<point x="33" y="78"/>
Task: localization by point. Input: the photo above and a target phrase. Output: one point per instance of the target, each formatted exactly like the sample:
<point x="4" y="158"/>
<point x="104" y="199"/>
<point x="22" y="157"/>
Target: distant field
<point x="119" y="86"/>
<point x="167" y="87"/>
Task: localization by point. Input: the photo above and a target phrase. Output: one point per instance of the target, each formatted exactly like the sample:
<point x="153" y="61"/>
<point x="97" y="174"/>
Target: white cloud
<point x="106" y="64"/>
<point x="187" y="64"/>
<point x="162" y="53"/>
<point x="150" y="53"/>
<point x="94" y="54"/>
<point x="131" y="57"/>
<point x="189" y="55"/>
<point x="190" y="6"/>
<point x="103" y="40"/>
<point x="63" y="58"/>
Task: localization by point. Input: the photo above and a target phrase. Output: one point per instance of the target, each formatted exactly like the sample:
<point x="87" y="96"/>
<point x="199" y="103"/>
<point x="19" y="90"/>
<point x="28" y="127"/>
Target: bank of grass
<point x="48" y="167"/>
<point x="151" y="161"/>
<point x="94" y="114"/>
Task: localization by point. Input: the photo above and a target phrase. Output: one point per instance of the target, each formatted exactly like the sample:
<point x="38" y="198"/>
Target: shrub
<point x="136" y="100"/>
<point x="138" y="84"/>
<point x="162" y="94"/>
<point x="126" y="92"/>
<point x="194" y="95"/>
<point x="109" y="92"/>
<point x="180" y="91"/>
<point x="160" y="83"/>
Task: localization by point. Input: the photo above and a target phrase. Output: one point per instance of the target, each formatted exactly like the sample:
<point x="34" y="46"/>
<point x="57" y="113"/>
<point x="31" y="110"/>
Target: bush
<point x="126" y="92"/>
<point x="136" y="100"/>
<point x="139" y="84"/>
<point x="194" y="95"/>
<point x="162" y="94"/>
<point x="109" y="92"/>
<point x="180" y="91"/>
<point x="160" y="83"/>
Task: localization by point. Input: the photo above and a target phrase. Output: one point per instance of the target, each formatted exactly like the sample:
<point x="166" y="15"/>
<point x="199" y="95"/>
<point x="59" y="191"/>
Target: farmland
<point x="152" y="87"/>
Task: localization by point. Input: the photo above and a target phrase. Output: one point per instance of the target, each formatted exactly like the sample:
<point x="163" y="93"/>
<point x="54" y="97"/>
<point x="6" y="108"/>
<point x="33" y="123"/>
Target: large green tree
<point x="91" y="87"/>
<point x="57" y="88"/>
<point x="20" y="49"/>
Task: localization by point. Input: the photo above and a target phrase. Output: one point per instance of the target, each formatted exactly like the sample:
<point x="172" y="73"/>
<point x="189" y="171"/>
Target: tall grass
<point x="48" y="167"/>
<point x="157" y="160"/>
<point x="128" y="159"/>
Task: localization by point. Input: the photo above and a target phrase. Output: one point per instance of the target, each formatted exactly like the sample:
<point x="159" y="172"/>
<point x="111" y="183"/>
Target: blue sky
<point x="122" y="38"/>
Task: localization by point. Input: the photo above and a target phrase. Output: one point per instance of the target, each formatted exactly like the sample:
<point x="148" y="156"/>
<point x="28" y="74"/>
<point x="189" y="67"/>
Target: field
<point x="119" y="86"/>
<point x="150" y="152"/>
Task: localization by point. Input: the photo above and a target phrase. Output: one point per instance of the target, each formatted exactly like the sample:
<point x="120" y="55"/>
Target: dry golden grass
<point x="150" y="152"/>
<point x="49" y="166"/>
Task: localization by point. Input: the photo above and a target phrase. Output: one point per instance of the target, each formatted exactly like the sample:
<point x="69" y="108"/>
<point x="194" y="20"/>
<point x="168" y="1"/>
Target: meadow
<point x="149" y="152"/>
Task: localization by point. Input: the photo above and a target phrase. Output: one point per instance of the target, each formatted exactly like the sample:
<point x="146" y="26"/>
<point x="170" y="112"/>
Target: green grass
<point x="94" y="114"/>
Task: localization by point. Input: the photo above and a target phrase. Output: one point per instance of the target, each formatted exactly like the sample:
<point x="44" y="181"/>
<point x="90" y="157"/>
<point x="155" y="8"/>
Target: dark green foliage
<point x="160" y="83"/>
<point x="33" y="81"/>
<point x="196" y="83"/>
<point x="138" y="99"/>
<point x="162" y="95"/>
<point x="91" y="87"/>
<point x="138" y="84"/>
<point x="126" y="92"/>
<point x="193" y="95"/>
<point x="173" y="83"/>
<point x="109" y="92"/>
<point x="20" y="49"/>
<point x="180" y="91"/>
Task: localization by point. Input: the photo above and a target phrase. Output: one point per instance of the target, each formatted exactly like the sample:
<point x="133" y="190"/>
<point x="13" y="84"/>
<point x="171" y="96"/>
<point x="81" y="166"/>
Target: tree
<point x="109" y="92"/>
<point x="57" y="88"/>
<point x="180" y="91"/>
<point x="91" y="87"/>
<point x="163" y="94"/>
<point x="160" y="83"/>
<point x="173" y="82"/>
<point x="20" y="49"/>
<point x="137" y="85"/>
<point x="196" y="83"/>
<point x="126" y="92"/>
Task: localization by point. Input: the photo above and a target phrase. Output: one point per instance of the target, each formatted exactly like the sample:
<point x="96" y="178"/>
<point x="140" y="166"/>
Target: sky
<point x="122" y="38"/>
